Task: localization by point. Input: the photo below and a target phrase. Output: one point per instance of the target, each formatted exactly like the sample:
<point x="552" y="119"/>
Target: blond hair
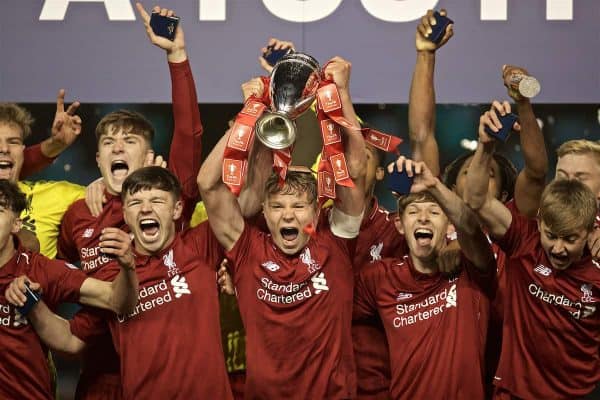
<point x="580" y="146"/>
<point x="13" y="114"/>
<point x="568" y="205"/>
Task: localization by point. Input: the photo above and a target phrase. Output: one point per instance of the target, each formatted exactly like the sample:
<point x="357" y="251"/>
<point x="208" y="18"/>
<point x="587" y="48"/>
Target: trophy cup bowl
<point x="292" y="89"/>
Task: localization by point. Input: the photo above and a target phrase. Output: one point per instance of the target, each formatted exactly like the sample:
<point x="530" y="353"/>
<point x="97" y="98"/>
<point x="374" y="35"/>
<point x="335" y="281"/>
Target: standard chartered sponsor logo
<point x="575" y="308"/>
<point x="92" y="258"/>
<point x="288" y="293"/>
<point x="410" y="314"/>
<point x="158" y="295"/>
<point x="180" y="286"/>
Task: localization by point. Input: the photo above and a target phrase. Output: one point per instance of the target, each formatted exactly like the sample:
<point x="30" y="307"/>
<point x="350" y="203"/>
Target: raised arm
<point x="495" y="217"/>
<point x="66" y="127"/>
<point x="421" y="103"/>
<point x="186" y="144"/>
<point x="224" y="214"/>
<point x="352" y="200"/>
<point x="532" y="178"/>
<point x="471" y="238"/>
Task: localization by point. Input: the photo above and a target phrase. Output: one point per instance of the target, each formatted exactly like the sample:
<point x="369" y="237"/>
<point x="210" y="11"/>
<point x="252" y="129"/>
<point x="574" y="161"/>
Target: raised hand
<point x="15" y="292"/>
<point x="66" y="126"/>
<point x="423" y="178"/>
<point x="94" y="196"/>
<point x="117" y="243"/>
<point x="338" y="70"/>
<point x="253" y="87"/>
<point x="153" y="160"/>
<point x="490" y="119"/>
<point x="224" y="279"/>
<point x="508" y="72"/>
<point x="277" y="45"/>
<point x="424" y="30"/>
<point x="175" y="49"/>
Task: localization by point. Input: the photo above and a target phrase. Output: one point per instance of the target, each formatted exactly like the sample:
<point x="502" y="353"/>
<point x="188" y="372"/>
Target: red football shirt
<point x="297" y="313"/>
<point x="80" y="231"/>
<point x="170" y="346"/>
<point x="551" y="331"/>
<point x="435" y="326"/>
<point x="24" y="370"/>
<point x="378" y="238"/>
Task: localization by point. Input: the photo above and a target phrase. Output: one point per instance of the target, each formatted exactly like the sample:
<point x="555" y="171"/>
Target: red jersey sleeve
<point x="186" y="145"/>
<point x="34" y="161"/>
<point x="365" y="290"/>
<point x="66" y="246"/>
<point x="89" y="323"/>
<point x="520" y="233"/>
<point x="206" y="245"/>
<point x="60" y="281"/>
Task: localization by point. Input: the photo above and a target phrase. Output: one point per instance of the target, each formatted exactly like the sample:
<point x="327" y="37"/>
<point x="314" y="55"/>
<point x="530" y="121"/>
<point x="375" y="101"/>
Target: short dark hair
<point x="14" y="114"/>
<point x="295" y="182"/>
<point x="11" y="197"/>
<point x="129" y="121"/>
<point x="407" y="199"/>
<point x="508" y="172"/>
<point x="148" y="178"/>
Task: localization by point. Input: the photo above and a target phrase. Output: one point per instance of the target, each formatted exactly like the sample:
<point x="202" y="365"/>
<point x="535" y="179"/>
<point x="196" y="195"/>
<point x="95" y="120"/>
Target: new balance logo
<point x="180" y="286"/>
<point x="271" y="266"/>
<point x="88" y="233"/>
<point x="543" y="270"/>
<point x="403" y="296"/>
<point x="319" y="283"/>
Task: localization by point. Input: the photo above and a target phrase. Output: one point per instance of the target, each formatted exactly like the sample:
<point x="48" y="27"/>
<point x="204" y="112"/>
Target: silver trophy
<point x="526" y="85"/>
<point x="294" y="83"/>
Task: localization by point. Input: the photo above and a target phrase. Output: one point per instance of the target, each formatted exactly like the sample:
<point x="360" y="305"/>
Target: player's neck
<point x="428" y="267"/>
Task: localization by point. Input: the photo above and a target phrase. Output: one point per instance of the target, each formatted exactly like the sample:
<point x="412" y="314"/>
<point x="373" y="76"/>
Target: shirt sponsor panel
<point x="423" y="310"/>
<point x="271" y="292"/>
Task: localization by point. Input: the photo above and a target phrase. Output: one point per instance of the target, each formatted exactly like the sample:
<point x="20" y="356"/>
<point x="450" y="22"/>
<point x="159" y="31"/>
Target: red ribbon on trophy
<point x="241" y="139"/>
<point x="332" y="168"/>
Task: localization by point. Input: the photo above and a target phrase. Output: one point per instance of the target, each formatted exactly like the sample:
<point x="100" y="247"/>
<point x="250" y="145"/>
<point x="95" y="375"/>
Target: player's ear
<point x="177" y="210"/>
<point x="17" y="225"/>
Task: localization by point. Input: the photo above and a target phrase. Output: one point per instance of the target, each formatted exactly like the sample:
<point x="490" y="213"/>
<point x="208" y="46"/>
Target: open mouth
<point x="423" y="236"/>
<point x="149" y="227"/>
<point x="289" y="234"/>
<point x="6" y="165"/>
<point x="559" y="259"/>
<point x="119" y="169"/>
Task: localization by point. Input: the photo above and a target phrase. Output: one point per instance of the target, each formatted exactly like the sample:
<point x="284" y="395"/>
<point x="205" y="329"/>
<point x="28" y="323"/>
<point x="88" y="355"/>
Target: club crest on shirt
<point x="169" y="262"/>
<point x="587" y="297"/>
<point x="375" y="251"/>
<point x="310" y="263"/>
<point x="543" y="270"/>
<point x="88" y="233"/>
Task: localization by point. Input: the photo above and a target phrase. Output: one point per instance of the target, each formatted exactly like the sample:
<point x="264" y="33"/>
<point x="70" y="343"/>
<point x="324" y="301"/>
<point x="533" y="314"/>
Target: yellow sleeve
<point x="199" y="215"/>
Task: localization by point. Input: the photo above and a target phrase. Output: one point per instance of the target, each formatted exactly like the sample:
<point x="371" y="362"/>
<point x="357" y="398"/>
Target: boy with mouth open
<point x="551" y="328"/>
<point x="170" y="344"/>
<point x="124" y="140"/>
<point x="294" y="282"/>
<point x="435" y="324"/>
